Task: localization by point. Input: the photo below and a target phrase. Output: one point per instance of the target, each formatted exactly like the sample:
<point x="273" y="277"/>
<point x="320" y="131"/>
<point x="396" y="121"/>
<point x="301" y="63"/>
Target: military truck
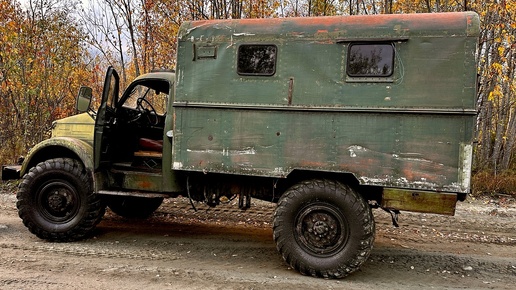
<point x="328" y="117"/>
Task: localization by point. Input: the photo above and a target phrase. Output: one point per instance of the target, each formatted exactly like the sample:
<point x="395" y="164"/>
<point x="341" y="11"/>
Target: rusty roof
<point x="450" y="24"/>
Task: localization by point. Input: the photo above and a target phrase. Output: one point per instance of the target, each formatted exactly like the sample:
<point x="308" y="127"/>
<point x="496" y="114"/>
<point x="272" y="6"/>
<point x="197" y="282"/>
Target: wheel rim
<point x="58" y="201"/>
<point x="321" y="229"/>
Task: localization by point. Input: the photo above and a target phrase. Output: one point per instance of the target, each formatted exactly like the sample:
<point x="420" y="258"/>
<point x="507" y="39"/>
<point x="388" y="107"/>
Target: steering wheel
<point x="151" y="114"/>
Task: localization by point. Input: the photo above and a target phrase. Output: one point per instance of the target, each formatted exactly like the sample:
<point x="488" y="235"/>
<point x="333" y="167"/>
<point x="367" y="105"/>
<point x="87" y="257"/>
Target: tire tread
<point x="94" y="208"/>
<point x="360" y="208"/>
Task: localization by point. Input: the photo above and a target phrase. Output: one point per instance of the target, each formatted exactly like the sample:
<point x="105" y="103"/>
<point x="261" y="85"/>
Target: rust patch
<point x="145" y="184"/>
<point x="451" y="21"/>
<point x="312" y="164"/>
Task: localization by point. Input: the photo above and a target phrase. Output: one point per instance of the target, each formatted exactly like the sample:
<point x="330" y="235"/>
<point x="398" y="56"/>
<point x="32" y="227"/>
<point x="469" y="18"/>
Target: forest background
<point x="49" y="48"/>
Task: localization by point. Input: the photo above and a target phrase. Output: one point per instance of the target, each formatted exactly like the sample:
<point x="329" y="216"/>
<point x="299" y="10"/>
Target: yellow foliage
<point x="38" y="80"/>
<point x="498" y="67"/>
<point x="491" y="96"/>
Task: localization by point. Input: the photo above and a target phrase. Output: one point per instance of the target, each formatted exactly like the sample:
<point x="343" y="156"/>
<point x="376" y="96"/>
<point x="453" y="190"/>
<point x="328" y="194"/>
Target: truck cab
<point x="134" y="133"/>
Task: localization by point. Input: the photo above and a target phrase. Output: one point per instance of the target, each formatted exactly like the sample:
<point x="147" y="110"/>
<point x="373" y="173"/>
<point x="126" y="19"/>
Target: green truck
<point x="328" y="117"/>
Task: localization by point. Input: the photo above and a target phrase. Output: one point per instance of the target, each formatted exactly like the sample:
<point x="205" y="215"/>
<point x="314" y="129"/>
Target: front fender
<point x="59" y="147"/>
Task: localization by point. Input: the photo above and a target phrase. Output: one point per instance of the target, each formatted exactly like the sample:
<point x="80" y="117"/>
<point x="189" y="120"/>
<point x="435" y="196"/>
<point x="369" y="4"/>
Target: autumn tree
<point x="42" y="64"/>
<point x="10" y="29"/>
<point x="496" y="126"/>
<point x="158" y="27"/>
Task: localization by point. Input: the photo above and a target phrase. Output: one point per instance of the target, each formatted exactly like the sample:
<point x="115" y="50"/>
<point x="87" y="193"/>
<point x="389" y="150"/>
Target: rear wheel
<point x="323" y="228"/>
<point x="56" y="201"/>
<point x="133" y="207"/>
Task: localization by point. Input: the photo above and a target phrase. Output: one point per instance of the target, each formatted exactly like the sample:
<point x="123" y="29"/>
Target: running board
<point x="133" y="193"/>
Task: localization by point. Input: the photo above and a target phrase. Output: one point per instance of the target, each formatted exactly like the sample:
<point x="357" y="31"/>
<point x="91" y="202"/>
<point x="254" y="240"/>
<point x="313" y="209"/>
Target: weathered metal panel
<point x="411" y="130"/>
<point x="40" y="152"/>
<point x="142" y="181"/>
<point x="78" y="126"/>
<point x="429" y="73"/>
<point x="419" y="201"/>
<point x="400" y="150"/>
<point x="336" y="27"/>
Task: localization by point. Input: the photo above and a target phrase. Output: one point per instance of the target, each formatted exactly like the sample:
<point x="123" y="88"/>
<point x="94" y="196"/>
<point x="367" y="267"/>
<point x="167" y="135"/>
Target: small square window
<point x="255" y="59"/>
<point x="370" y="60"/>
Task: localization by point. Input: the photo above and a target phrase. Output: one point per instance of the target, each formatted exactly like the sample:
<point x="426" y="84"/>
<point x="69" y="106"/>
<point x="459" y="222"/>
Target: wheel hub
<point x="321" y="229"/>
<point x="57" y="201"/>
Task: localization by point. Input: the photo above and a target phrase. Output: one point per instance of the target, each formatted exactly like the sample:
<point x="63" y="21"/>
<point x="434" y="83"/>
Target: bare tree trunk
<point x="388" y="7"/>
<point x="509" y="145"/>
<point x="510" y="136"/>
<point x="119" y="43"/>
<point x="428" y="7"/>
<point x="125" y="8"/>
<point x="236" y="9"/>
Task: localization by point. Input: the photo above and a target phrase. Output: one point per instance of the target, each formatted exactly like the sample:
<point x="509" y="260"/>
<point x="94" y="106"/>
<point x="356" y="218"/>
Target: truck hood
<point x="78" y="126"/>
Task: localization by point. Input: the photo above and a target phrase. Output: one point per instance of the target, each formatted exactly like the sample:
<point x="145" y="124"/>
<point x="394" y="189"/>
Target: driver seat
<point x="149" y="148"/>
<point x="147" y="144"/>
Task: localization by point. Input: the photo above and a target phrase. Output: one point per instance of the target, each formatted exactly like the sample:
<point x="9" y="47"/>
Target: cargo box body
<point x="387" y="98"/>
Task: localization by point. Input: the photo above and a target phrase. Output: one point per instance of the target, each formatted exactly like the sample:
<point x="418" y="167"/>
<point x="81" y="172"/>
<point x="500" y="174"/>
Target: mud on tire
<point x="56" y="201"/>
<point x="323" y="228"/>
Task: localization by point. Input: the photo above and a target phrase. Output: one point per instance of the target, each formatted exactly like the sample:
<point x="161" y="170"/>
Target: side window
<point x="152" y="98"/>
<point x="257" y="59"/>
<point x="370" y="60"/>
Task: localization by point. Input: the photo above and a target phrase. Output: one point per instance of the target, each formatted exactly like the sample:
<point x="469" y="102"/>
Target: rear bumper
<point x="11" y="172"/>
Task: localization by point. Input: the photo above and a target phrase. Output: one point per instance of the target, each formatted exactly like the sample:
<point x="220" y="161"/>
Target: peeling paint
<point x="404" y="170"/>
<point x="188" y="31"/>
<point x="399" y="182"/>
<point x="354" y="149"/>
<point x="395" y="156"/>
<point x="243" y="34"/>
<point x="465" y="168"/>
<point x="226" y="152"/>
<point x="177" y="165"/>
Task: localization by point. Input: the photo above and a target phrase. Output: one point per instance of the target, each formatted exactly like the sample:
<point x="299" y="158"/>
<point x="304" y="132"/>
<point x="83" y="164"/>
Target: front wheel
<point x="323" y="228"/>
<point x="56" y="201"/>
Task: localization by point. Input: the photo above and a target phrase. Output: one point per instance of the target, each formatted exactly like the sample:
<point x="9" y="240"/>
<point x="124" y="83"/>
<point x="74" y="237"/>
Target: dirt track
<point x="178" y="248"/>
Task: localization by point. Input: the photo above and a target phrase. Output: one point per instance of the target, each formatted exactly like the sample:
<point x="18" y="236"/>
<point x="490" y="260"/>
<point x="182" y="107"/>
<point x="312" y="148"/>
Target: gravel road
<point x="224" y="248"/>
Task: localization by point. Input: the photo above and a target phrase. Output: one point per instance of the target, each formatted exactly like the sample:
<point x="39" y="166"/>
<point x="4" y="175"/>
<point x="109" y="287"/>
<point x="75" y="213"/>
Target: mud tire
<point x="323" y="228"/>
<point x="56" y="201"/>
<point x="133" y="207"/>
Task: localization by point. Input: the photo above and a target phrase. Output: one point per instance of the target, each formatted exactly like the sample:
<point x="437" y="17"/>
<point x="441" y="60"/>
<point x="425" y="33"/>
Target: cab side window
<point x="152" y="97"/>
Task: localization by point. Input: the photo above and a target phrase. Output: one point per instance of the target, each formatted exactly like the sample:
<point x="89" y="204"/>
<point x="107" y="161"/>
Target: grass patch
<point x="487" y="183"/>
